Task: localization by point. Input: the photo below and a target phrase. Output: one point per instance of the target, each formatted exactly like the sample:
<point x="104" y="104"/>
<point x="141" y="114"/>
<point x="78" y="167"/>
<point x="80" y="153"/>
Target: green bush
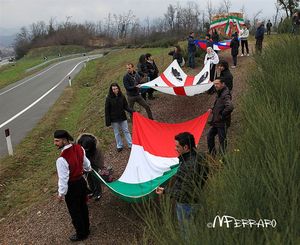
<point x="285" y="26"/>
<point x="262" y="179"/>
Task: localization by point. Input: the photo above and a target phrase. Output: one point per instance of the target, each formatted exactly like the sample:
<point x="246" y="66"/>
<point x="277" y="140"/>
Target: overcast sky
<point x="17" y="13"/>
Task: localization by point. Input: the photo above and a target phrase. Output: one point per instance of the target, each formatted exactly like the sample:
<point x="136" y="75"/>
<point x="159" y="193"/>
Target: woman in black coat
<point x="115" y="116"/>
<point x="176" y="53"/>
<point x="234" y="45"/>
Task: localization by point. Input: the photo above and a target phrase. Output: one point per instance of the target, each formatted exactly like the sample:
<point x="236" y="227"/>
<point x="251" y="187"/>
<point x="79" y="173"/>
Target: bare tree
<point x="210" y="11"/>
<point x="277" y="7"/>
<point x="170" y="16"/>
<point x="255" y="17"/>
<point x="227" y="4"/>
<point x="289" y="6"/>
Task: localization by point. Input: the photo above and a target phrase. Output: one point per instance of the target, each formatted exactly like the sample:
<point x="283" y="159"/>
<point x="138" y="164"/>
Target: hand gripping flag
<point x="174" y="81"/>
<point x="153" y="159"/>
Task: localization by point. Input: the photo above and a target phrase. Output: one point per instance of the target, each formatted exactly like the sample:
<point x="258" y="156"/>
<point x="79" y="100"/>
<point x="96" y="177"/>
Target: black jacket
<point x="234" y="45"/>
<point x="260" y="32"/>
<point x="228" y="78"/>
<point x="142" y="69"/>
<point x="115" y="107"/>
<point x="190" y="177"/>
<point x="130" y="81"/>
<point x="176" y="56"/>
<point x="191" y="45"/>
<point x="152" y="70"/>
<point x="222" y="109"/>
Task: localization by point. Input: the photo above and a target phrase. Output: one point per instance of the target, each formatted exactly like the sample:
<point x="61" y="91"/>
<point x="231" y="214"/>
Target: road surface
<point x="24" y="103"/>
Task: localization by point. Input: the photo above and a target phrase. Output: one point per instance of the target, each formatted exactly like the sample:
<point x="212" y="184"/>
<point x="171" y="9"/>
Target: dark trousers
<point x="258" y="45"/>
<point x="221" y="132"/>
<point x="244" y="44"/>
<point x="148" y="91"/>
<point x="139" y="99"/>
<point x="76" y="202"/>
<point x="94" y="183"/>
<point x="268" y="31"/>
<point x="191" y="56"/>
<point x="234" y="58"/>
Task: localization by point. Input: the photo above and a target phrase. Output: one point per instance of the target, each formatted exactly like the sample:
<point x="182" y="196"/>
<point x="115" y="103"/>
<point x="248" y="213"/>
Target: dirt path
<point x="112" y="220"/>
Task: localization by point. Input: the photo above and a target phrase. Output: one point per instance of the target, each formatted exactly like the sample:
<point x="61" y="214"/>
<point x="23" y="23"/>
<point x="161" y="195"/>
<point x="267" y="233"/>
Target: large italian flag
<point x="153" y="159"/>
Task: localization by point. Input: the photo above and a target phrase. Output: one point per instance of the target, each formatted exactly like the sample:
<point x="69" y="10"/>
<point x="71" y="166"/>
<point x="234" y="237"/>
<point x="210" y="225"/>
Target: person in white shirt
<point x="244" y="34"/>
<point x="212" y="57"/>
<point x="71" y="185"/>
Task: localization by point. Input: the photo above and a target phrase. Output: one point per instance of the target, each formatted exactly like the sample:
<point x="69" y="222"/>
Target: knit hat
<point x="62" y="134"/>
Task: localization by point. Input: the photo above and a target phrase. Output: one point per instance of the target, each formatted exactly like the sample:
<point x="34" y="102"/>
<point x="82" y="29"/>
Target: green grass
<point x="262" y="179"/>
<point x="13" y="72"/>
<point x="29" y="176"/>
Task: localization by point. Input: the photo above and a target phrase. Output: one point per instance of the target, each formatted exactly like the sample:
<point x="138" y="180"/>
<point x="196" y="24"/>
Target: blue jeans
<point x="124" y="126"/>
<point x="191" y="56"/>
<point x="185" y="214"/>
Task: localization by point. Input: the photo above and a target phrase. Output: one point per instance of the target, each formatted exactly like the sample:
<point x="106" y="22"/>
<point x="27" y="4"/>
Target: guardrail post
<point x="70" y="81"/>
<point x="8" y="142"/>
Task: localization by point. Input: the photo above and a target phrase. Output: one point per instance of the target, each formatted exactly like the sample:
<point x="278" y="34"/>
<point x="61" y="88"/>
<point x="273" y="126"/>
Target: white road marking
<point x="37" y="75"/>
<point x="39" y="99"/>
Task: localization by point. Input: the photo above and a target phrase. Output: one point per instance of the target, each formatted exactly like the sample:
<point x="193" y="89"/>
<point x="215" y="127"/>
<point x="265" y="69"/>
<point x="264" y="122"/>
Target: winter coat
<point x="152" y="70"/>
<point x="234" y="45"/>
<point x="221" y="111"/>
<point x="215" y="37"/>
<point x="260" y="32"/>
<point x="227" y="78"/>
<point x="130" y="81"/>
<point x="142" y="69"/>
<point x="209" y="43"/>
<point x="191" y="45"/>
<point x="176" y="56"/>
<point x="115" y="107"/>
<point x="192" y="171"/>
<point x="92" y="149"/>
<point x="244" y="34"/>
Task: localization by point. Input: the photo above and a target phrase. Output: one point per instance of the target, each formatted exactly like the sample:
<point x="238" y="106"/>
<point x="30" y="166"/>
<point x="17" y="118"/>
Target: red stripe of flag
<point x="179" y="90"/>
<point x="189" y="81"/>
<point x="157" y="138"/>
<point x="165" y="79"/>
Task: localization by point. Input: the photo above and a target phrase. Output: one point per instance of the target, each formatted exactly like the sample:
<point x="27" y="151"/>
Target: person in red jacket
<point x="71" y="184"/>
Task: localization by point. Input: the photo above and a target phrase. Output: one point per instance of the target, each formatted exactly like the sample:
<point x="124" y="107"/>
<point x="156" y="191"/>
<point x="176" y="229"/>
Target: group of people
<point x="76" y="159"/>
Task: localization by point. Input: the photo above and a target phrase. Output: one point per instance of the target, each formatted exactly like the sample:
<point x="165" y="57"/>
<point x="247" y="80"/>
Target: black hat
<point x="62" y="134"/>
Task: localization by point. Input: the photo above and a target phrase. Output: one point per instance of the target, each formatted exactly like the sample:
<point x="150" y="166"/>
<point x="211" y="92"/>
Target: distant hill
<point x="7" y="41"/>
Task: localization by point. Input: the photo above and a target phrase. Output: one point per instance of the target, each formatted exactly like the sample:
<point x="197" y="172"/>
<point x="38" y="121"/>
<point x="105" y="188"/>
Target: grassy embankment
<point x="15" y="71"/>
<point x="30" y="175"/>
<point x="262" y="179"/>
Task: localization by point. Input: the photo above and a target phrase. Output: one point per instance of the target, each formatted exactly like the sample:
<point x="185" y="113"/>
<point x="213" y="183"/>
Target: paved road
<point x="23" y="103"/>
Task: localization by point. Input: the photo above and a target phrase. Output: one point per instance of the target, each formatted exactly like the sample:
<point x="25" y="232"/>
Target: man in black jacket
<point x="191" y="50"/>
<point x="131" y="82"/>
<point x="152" y="73"/>
<point x="225" y="74"/>
<point x="269" y="26"/>
<point x="220" y="121"/>
<point x="234" y="45"/>
<point x="259" y="36"/>
<point x="190" y="178"/>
